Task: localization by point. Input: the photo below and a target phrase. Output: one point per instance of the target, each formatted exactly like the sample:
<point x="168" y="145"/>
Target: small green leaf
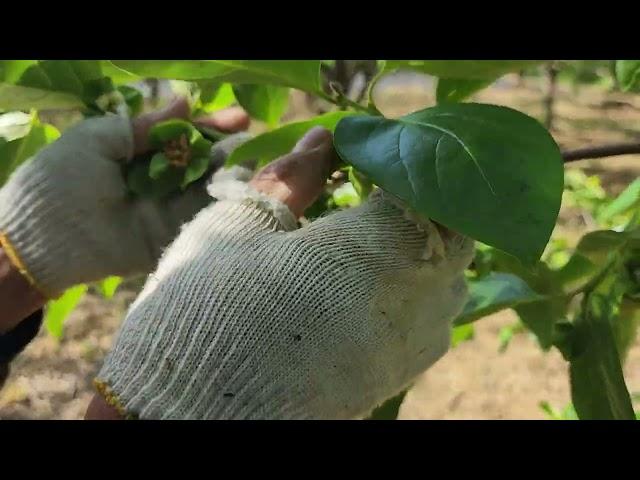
<point x="200" y="146"/>
<point x="542" y="316"/>
<point x="462" y="333"/>
<point x="504" y="336"/>
<point x="162" y="132"/>
<point x="109" y="286"/>
<point x="458" y="89"/>
<point x="266" y="103"/>
<point x="389" y="410"/>
<point x="628" y="199"/>
<point x="592" y="254"/>
<point x="346" y="196"/>
<point x="493" y="293"/>
<point x="360" y="182"/>
<point x="628" y="74"/>
<point x="273" y="144"/>
<point x="489" y="172"/>
<point x="58" y="310"/>
<point x="133" y="98"/>
<point x="159" y="163"/>
<point x="196" y="169"/>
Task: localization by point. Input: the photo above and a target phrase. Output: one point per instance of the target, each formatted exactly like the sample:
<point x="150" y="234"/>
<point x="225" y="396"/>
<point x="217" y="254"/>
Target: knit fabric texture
<point x="249" y="317"/>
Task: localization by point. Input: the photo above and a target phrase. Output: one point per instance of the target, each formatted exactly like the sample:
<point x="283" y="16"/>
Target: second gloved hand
<point x="66" y="216"/>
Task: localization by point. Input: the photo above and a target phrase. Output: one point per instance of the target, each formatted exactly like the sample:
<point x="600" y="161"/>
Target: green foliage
<point x="493" y="293"/>
<point x="300" y="74"/>
<point x="567" y="413"/>
<point x="266" y="103"/>
<point x="464" y="69"/>
<point x="58" y="310"/>
<point x="16" y="151"/>
<point x="489" y="172"/>
<point x="628" y="74"/>
<point x="598" y="389"/>
<point x="271" y="145"/>
<point x="52" y="84"/>
<point x="462" y="333"/>
<point x="109" y="286"/>
<point x="182" y="158"/>
<point x="458" y="89"/>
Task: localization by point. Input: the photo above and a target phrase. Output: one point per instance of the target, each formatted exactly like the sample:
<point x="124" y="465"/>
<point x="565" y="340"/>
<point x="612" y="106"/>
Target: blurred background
<point x="497" y="371"/>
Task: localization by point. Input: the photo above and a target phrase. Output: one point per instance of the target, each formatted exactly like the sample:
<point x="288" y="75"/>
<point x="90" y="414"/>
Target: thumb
<point x="297" y="179"/>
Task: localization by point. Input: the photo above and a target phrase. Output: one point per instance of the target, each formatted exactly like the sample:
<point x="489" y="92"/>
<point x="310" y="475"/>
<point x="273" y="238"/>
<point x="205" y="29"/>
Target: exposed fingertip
<point x="314" y="138"/>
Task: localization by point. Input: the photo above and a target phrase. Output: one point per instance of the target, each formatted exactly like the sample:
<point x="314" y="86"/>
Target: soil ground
<point x="52" y="379"/>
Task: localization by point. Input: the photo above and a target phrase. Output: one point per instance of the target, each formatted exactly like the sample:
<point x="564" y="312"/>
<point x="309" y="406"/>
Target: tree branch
<point x="601" y="151"/>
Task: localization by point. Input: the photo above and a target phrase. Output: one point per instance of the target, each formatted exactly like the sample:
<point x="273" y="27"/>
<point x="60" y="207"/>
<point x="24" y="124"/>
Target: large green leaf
<point x="215" y="96"/>
<point x="628" y="74"/>
<point x="598" y="389"/>
<point x="12" y="70"/>
<point x="118" y="75"/>
<point x="58" y="310"/>
<point x="486" y="171"/>
<point x="271" y="145"/>
<point x="266" y="103"/>
<point x="51" y="84"/>
<point x="300" y="74"/>
<point x="466" y="69"/>
<point x="16" y="97"/>
<point x="458" y="89"/>
<point x="493" y="293"/>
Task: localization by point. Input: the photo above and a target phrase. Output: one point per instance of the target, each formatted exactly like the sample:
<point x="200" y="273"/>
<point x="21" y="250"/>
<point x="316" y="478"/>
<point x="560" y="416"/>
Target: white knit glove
<point x="248" y="317"/>
<point x="66" y="217"/>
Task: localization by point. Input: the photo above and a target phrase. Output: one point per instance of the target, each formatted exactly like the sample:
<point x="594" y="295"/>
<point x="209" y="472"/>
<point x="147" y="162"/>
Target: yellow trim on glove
<point x="17" y="262"/>
<point x="111" y="398"/>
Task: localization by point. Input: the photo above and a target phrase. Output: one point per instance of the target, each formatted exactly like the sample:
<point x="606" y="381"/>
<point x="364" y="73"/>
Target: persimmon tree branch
<point x="601" y="151"/>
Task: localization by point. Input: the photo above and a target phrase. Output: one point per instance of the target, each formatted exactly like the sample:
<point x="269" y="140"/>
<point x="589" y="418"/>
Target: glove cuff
<point x="31" y="234"/>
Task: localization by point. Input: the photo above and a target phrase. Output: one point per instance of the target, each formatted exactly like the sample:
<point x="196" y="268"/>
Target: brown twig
<point x="601" y="151"/>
